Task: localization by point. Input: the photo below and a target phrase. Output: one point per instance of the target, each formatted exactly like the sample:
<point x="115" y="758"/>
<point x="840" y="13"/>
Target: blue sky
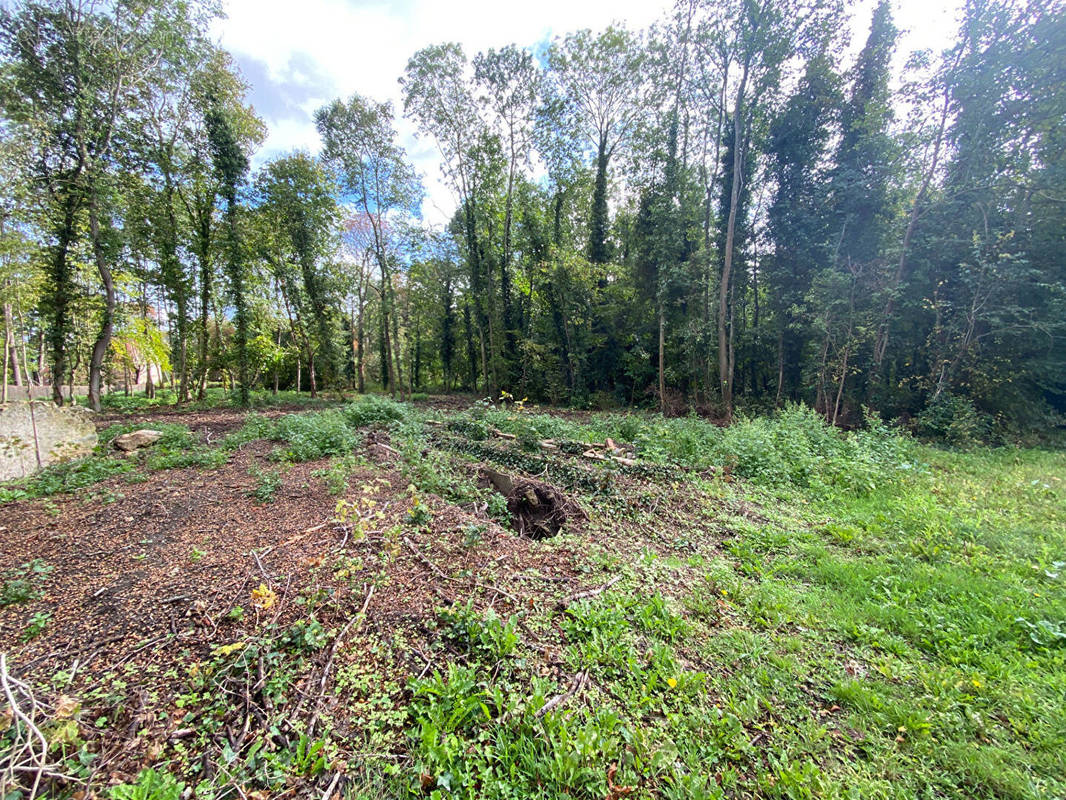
<point x="299" y="54"/>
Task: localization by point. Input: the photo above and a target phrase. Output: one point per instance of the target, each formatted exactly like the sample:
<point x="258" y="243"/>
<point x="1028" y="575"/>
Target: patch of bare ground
<point x="161" y="584"/>
<point x="147" y="576"/>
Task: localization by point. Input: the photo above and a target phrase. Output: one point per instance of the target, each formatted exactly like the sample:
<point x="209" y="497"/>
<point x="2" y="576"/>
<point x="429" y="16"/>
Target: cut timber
<point x="538" y="510"/>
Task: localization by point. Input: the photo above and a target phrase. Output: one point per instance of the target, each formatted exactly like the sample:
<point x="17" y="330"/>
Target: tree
<point x="799" y="216"/>
<point x="359" y="140"/>
<point x="298" y="199"/>
<point x="600" y="79"/>
<point x="231" y="166"/>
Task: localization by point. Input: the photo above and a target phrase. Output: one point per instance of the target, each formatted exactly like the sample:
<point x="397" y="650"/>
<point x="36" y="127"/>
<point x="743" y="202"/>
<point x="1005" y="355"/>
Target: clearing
<point x="338" y="603"/>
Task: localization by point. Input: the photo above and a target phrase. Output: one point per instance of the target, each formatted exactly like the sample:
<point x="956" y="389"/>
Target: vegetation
<point x="804" y="306"/>
<point x="781" y="610"/>
<point x="731" y="214"/>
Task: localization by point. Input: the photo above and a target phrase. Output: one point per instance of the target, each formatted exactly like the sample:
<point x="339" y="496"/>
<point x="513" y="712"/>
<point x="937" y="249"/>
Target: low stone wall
<point x="33" y="435"/>
<point x="17" y="394"/>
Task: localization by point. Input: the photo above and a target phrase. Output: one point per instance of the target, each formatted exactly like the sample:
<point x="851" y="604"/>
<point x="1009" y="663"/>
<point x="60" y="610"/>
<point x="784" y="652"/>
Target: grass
<point x="888" y="626"/>
<point x="799" y="613"/>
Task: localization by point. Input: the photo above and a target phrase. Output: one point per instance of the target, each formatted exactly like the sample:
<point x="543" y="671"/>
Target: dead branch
<point x="356" y="620"/>
<point x="563" y="604"/>
<point x="28" y="753"/>
<point x="576" y="685"/>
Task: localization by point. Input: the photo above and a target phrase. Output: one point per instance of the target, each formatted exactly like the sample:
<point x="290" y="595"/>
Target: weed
<point x="372" y="408"/>
<point x="38" y="624"/>
<point x="316" y="435"/>
<point x="480" y="635"/>
<point x="150" y="785"/>
<point x="267" y="483"/>
<point x="418" y="514"/>
<point x="23" y="584"/>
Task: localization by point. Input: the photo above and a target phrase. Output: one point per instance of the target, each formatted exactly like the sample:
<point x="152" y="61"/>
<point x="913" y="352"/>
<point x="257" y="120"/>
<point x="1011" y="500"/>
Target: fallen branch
<point x="576" y="685"/>
<point x="440" y="573"/>
<point x="358" y="618"/>
<point x="564" y="603"/>
<point x="28" y="752"/>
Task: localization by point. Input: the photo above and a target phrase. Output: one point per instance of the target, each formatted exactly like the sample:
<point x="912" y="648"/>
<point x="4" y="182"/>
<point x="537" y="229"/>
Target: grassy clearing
<point x="889" y="631"/>
<point x="793" y="613"/>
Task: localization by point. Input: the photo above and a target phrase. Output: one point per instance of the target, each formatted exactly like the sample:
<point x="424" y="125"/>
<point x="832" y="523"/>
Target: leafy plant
<point x="1044" y="632"/>
<point x="38" y="624"/>
<point x="24" y="583"/>
<point x="150" y="785"/>
<point x="267" y="483"/>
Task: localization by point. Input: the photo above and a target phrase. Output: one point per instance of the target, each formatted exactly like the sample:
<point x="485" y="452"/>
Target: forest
<point x="709" y="447"/>
<point x="729" y="209"/>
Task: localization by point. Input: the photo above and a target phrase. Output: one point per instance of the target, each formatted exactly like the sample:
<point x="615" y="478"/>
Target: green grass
<point x="800" y="613"/>
<point x="886" y="627"/>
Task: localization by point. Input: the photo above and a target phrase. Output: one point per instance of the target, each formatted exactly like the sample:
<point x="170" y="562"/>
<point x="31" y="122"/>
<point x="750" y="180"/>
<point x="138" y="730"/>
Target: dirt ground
<point x="147" y="575"/>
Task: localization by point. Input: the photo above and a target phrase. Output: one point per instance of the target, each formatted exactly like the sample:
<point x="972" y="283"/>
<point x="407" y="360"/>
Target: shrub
<point x="311" y="436"/>
<point x="255" y="427"/>
<point x="954" y="421"/>
<point x="372" y="408"/>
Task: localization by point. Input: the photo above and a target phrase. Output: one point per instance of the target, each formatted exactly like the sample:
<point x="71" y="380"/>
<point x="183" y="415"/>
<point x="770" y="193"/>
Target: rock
<point x="136" y="439"/>
<point x="36" y="434"/>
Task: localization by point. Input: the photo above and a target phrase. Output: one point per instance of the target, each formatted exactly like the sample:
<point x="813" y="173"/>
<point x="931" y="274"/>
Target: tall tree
<point x="600" y="77"/>
<point x="298" y="199"/>
<point x="359" y="139"/>
<point x="231" y="165"/>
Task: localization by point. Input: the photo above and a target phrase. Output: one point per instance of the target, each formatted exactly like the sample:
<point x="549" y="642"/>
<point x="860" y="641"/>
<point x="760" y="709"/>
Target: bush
<point x="954" y="421"/>
<point x="311" y="436"/>
<point x="255" y="427"/>
<point x="372" y="408"/>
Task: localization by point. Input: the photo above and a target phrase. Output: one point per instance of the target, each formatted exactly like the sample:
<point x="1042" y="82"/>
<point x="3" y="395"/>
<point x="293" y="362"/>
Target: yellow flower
<point x="671" y="682"/>
<point x="263" y="597"/>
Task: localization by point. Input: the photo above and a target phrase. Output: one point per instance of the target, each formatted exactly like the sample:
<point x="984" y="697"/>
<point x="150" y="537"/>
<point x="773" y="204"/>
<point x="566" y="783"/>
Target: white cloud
<point x="316" y="49"/>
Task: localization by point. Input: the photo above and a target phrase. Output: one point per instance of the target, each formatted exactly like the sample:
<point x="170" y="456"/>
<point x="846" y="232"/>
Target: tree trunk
<point x="598" y="223"/>
<point x="725" y="366"/>
<point x="278" y="342"/>
<point x="61" y="300"/>
<point x="40" y="357"/>
<point x="103" y="338"/>
<point x="204" y="257"/>
<point x="10" y="349"/>
<point x="662" y="359"/>
<point x="7" y="351"/>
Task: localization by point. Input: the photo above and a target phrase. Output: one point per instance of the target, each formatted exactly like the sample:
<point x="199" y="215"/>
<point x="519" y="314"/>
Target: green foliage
<point x="150" y="785"/>
<point x="37" y="625"/>
<point x="23" y="584"/>
<point x="1045" y="633"/>
<point x="314" y="435"/>
<point x="67" y="476"/>
<point x="306" y="635"/>
<point x="267" y="483"/>
<point x="954" y="421"/>
<point x="372" y="408"/>
<point x="482" y="636"/>
<point x="255" y="427"/>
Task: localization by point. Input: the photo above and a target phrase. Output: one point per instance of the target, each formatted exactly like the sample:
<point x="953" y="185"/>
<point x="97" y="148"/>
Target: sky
<point x="297" y="56"/>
